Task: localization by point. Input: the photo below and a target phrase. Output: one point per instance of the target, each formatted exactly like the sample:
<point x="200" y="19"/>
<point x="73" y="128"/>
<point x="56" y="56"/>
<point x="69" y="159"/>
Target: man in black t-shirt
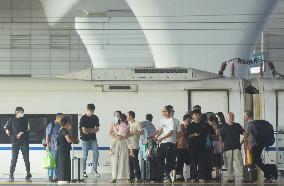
<point x="231" y="132"/>
<point x="89" y="126"/>
<point x="18" y="129"/>
<point x="197" y="133"/>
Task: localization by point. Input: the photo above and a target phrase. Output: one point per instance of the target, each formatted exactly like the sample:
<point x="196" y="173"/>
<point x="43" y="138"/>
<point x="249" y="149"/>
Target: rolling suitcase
<point x="250" y="174"/>
<point x="77" y="171"/>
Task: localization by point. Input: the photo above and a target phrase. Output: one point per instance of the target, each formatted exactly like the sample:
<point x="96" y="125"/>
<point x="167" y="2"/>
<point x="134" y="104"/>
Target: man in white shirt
<point x="166" y="137"/>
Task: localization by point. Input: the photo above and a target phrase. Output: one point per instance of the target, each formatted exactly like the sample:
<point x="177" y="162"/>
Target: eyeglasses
<point x="164" y="111"/>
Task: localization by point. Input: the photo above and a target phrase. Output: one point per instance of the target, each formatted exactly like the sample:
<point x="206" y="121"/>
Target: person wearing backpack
<point x="261" y="135"/>
<point x="146" y="149"/>
<point x="149" y="132"/>
<point x="51" y="138"/>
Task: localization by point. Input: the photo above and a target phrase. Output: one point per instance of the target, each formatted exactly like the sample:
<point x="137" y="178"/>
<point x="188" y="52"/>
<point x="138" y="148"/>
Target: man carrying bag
<point x="261" y="135"/>
<point x="50" y="139"/>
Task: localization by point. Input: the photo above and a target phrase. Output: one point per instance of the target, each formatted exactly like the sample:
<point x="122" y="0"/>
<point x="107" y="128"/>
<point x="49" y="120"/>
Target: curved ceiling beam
<point x="56" y="9"/>
<point x="200" y="33"/>
<point x="111" y="42"/>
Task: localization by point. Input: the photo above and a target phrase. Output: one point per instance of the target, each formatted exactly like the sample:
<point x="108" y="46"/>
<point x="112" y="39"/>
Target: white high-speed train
<point x="141" y="90"/>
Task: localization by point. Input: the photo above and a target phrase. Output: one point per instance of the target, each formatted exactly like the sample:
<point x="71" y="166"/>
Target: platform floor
<point x="105" y="179"/>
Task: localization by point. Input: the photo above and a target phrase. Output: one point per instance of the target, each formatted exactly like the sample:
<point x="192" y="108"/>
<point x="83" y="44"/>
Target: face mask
<point x="115" y="120"/>
<point x="21" y="114"/>
<point x="89" y="113"/>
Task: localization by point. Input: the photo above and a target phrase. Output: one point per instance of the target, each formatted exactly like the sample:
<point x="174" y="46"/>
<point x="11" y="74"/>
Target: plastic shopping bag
<point x="48" y="161"/>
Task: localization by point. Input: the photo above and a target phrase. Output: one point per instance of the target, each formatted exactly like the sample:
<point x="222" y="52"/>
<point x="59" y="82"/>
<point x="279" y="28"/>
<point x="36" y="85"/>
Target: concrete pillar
<point x="200" y="33"/>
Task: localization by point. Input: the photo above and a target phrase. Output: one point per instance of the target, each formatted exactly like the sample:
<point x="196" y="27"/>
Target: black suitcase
<point x="271" y="172"/>
<point x="250" y="174"/>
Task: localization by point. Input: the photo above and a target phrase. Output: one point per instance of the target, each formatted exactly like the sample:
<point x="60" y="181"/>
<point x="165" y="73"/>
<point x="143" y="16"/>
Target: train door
<point x="209" y="100"/>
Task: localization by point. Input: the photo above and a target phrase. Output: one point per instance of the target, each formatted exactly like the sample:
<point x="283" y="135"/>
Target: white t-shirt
<point x="168" y="125"/>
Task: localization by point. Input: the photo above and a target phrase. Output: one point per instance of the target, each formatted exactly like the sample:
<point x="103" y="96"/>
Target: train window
<point x="38" y="123"/>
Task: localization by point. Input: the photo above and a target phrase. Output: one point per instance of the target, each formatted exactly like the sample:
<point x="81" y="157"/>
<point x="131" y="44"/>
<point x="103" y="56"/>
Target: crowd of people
<point x="201" y="142"/>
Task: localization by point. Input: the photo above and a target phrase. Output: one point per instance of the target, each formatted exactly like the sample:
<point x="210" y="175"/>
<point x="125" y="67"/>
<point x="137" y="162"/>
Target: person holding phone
<point x="197" y="133"/>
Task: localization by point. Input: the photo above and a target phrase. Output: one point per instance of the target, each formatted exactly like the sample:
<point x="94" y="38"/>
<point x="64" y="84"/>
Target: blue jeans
<point x="52" y="173"/>
<point x="93" y="145"/>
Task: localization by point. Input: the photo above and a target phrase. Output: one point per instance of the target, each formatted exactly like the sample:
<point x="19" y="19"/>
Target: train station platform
<point x="105" y="179"/>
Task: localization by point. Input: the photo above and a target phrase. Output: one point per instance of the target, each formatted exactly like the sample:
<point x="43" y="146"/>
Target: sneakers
<point x="268" y="180"/>
<point x="50" y="179"/>
<point x="193" y="180"/>
<point x="55" y="180"/>
<point x="96" y="174"/>
<point x="11" y="178"/>
<point x="85" y="175"/>
<point x="167" y="179"/>
<point x="179" y="178"/>
<point x="113" y="181"/>
<point x="28" y="177"/>
<point x="202" y="180"/>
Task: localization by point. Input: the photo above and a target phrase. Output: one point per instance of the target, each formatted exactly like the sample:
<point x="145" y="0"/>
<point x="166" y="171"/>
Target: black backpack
<point x="265" y="133"/>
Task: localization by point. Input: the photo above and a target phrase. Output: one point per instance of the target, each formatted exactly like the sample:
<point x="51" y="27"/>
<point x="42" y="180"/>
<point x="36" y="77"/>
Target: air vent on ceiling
<point x="20" y="41"/>
<point x="120" y="88"/>
<point x="161" y="70"/>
